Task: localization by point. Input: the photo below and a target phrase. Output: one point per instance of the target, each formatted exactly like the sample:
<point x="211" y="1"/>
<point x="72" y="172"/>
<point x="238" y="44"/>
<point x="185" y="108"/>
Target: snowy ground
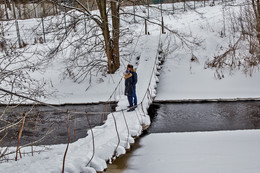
<point x="110" y="140"/>
<point x="198" y="152"/>
<point x="180" y="79"/>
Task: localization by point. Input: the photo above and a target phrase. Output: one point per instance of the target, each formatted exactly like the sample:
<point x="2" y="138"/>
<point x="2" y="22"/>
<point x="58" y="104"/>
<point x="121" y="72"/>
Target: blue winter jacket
<point x="129" y="87"/>
<point x="134" y="78"/>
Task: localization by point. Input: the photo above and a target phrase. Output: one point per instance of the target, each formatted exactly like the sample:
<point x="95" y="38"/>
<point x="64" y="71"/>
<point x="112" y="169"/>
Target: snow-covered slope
<point x="180" y="79"/>
<point x="198" y="152"/>
<point x="183" y="79"/>
<point x="105" y="142"/>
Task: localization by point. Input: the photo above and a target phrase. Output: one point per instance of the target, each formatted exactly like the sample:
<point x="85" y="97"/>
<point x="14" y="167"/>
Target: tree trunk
<point x="6" y="11"/>
<point x="18" y="5"/>
<point x="111" y="45"/>
<point x="256" y="8"/>
<point x="116" y="31"/>
<point x="106" y="34"/>
<point x="14" y="13"/>
<point x="258" y="21"/>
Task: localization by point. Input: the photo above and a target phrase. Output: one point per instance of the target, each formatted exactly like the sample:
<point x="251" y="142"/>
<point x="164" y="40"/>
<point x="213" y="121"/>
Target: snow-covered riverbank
<point x="180" y="79"/>
<point x="198" y="152"/>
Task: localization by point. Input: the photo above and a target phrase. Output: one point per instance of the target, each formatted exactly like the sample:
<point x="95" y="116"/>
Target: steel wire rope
<point x="62" y="110"/>
<point x="54" y="107"/>
<point x="68" y="143"/>
<point x="141" y="115"/>
<point x="128" y="132"/>
<point x="78" y="112"/>
<point x="128" y="61"/>
<point x="118" y="137"/>
<point x="93" y="140"/>
<point x="153" y="66"/>
<point x="138" y="117"/>
<point x="118" y="87"/>
<point x="113" y="93"/>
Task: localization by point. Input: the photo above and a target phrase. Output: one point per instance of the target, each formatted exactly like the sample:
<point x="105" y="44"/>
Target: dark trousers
<point x="132" y="99"/>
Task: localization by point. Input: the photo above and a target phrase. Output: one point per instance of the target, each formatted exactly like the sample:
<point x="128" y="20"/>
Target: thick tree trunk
<point x="116" y="31"/>
<point x="111" y="45"/>
<point x="106" y="34"/>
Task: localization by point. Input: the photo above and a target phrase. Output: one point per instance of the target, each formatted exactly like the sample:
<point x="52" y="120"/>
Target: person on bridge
<point x="129" y="87"/>
<point x="134" y="74"/>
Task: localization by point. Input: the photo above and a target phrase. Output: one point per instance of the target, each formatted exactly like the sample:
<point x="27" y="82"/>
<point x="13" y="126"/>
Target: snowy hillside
<point x="183" y="76"/>
<point x="185" y="79"/>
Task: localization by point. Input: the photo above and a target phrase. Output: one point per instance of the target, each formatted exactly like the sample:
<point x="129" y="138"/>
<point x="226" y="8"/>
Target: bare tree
<point x="109" y="32"/>
<point x="16" y="69"/>
<point x="256" y="9"/>
<point x="244" y="48"/>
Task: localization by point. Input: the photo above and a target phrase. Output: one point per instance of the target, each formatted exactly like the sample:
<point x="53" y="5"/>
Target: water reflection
<point x="120" y="164"/>
<point x="188" y="117"/>
<point x="51" y="119"/>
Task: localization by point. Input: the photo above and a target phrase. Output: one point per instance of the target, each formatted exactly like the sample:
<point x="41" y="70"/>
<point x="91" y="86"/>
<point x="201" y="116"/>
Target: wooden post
<point x="65" y="23"/>
<point x="35" y="9"/>
<point x="148" y="10"/>
<point x="75" y="121"/>
<point x="35" y="127"/>
<point x="134" y="11"/>
<point x="44" y="39"/>
<point x="68" y="127"/>
<point x="19" y="138"/>
<point x="184" y="5"/>
<point x="18" y="33"/>
<point x="6" y="11"/>
<point x="173" y="8"/>
<point x="161" y="6"/>
<point x="16" y="25"/>
<point x="163" y="26"/>
<point x="145" y="27"/>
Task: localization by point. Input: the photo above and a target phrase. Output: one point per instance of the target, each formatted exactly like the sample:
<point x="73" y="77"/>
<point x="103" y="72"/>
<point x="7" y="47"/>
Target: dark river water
<point x="211" y="116"/>
<point x="189" y="117"/>
<point x="165" y="117"/>
<point x="50" y="119"/>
